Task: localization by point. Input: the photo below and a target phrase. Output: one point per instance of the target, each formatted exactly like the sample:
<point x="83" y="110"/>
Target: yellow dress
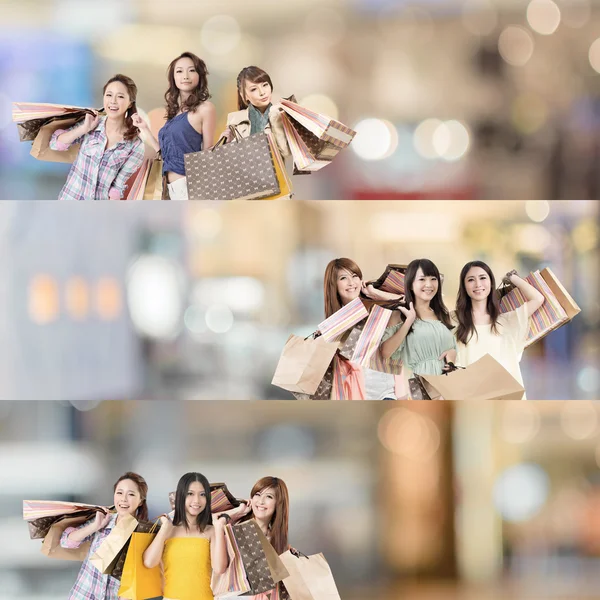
<point x="187" y="569"/>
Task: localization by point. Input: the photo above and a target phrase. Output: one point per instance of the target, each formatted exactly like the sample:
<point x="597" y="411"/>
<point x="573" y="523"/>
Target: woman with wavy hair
<point x="111" y="149"/>
<point x="190" y="120"/>
<point x="481" y="328"/>
<point x="419" y="333"/>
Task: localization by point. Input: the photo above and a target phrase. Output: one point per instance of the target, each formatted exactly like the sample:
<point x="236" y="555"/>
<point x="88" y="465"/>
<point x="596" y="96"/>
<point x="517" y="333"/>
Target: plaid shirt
<point x="99" y="173"/>
<point x="91" y="584"/>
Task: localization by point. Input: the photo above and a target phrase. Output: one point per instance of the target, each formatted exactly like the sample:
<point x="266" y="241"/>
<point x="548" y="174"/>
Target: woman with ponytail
<point x="111" y="149"/>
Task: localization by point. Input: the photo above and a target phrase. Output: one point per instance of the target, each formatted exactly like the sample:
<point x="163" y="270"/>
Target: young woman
<point x="343" y="282"/>
<point x="256" y="112"/>
<point x="130" y="492"/>
<point x="420" y="333"/>
<point x="190" y="120"/>
<point x="111" y="149"/>
<point x="481" y="329"/>
<point x="190" y="547"/>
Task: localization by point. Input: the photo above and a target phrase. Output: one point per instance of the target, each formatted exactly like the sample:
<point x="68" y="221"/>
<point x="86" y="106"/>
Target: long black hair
<point x="437" y="303"/>
<point x="205" y="517"/>
<point x="464" y="305"/>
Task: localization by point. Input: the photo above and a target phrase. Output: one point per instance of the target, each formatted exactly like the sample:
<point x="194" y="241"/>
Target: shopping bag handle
<point x="223" y="139"/>
<point x="297" y="553"/>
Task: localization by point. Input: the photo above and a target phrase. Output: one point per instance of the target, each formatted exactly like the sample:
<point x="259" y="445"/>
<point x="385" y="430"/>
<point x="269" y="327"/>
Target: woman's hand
<point x="101" y="520"/>
<point x="140" y="123"/>
<point x="448" y="357"/>
<point x="242" y="510"/>
<point x="166" y="526"/>
<point x="410" y="314"/>
<point x="219" y="521"/>
<point x="90" y="122"/>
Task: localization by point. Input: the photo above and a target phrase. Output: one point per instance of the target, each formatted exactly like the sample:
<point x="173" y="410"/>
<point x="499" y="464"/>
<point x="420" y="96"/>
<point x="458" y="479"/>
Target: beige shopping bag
<point x="107" y="555"/>
<point x="310" y="577"/>
<point x="51" y="545"/>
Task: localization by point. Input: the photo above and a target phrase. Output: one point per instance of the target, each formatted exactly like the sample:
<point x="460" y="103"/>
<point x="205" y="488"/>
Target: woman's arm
<point x="392" y="344"/>
<point x="218" y="548"/>
<point x="73" y="536"/>
<point x="145" y="128"/>
<point x="132" y="164"/>
<point x="534" y="298"/>
<point x="62" y="139"/>
<point x="235" y="514"/>
<point x="153" y="554"/>
<point x="375" y="294"/>
<point x="204" y="120"/>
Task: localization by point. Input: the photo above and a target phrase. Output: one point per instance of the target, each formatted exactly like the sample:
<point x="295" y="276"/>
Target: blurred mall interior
<point x="465" y="99"/>
<point x="133" y="301"/>
<point x="418" y="500"/>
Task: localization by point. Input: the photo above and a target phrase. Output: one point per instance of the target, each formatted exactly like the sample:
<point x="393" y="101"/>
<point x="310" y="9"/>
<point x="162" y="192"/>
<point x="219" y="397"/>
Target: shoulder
<point x="205" y="109"/>
<point x="395" y="318"/>
<point x="237" y="117"/>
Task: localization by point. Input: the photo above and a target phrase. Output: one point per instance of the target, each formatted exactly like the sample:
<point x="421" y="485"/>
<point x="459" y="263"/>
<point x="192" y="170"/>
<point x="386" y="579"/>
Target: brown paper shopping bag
<point x="485" y="379"/>
<point x="564" y="298"/>
<point x="107" y="555"/>
<point x="310" y="577"/>
<point x="41" y="145"/>
<point x="277" y="568"/>
<point x="51" y="545"/>
<point x="303" y="364"/>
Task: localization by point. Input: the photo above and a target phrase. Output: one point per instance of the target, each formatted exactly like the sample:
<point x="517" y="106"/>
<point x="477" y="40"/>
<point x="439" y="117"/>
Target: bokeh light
<point x="220" y="34"/>
<point x="543" y="16"/>
<point x="516" y="45"/>
<point x="375" y="139"/>
<point x="537" y="210"/>
<point x="579" y="420"/>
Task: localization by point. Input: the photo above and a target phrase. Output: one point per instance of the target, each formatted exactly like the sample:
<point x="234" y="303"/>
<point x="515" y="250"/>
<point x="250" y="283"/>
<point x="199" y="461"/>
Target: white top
<point x="379" y="385"/>
<point x="506" y="346"/>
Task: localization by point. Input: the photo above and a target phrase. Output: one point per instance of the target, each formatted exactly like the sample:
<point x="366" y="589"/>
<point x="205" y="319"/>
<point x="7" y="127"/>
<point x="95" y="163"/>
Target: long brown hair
<point x="333" y="302"/>
<point x="141" y="514"/>
<point x="197" y="97"/>
<point x="278" y="527"/>
<point x="464" y="305"/>
<point x="254" y="75"/>
<point x="437" y="302"/>
<point x="131" y="131"/>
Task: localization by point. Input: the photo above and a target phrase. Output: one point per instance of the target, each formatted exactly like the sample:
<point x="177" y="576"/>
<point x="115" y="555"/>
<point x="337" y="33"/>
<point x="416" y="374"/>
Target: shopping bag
<point x="303" y="364"/>
<point x="307" y="159"/>
<point x="41" y="145"/>
<point x="370" y="338"/>
<point x="392" y="279"/>
<point x="558" y="307"/>
<point x="221" y="499"/>
<point x="29" y="111"/>
<point x="233" y="581"/>
<point x="51" y="545"/>
<point x="240" y="170"/>
<point x="323" y="391"/>
<point x="348" y="380"/>
<point x="283" y="179"/>
<point x="333" y="328"/>
<point x="256" y="565"/>
<point x="485" y="379"/>
<point x="107" y="554"/>
<point x="42" y="514"/>
<point x="310" y="577"/>
<point x="137" y="581"/>
<point x="323" y="127"/>
<point x="155" y="184"/>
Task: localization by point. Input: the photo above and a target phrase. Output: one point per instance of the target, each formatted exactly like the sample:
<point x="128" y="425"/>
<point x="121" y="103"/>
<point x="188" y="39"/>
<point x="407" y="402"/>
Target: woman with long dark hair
<point x="419" y="333"/>
<point x="129" y="496"/>
<point x="191" y="546"/>
<point x="111" y="149"/>
<point x="481" y="328"/>
<point x="190" y="120"/>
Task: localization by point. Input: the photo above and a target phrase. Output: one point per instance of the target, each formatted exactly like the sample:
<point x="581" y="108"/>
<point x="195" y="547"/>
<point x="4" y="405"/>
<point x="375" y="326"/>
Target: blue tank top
<point x="176" y="138"/>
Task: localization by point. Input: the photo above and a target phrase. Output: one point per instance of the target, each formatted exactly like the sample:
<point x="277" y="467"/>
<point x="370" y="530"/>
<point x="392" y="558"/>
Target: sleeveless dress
<point x="176" y="138"/>
<point x="187" y="569"/>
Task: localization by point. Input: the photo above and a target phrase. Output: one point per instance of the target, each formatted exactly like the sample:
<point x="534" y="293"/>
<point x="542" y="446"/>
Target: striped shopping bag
<point x="558" y="307"/>
<point x="233" y="581"/>
<point x="392" y="279"/>
<point x="323" y="127"/>
<point x="370" y="338"/>
<point x="333" y="328"/>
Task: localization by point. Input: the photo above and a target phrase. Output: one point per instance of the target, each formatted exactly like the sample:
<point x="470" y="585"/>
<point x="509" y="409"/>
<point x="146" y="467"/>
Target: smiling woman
<point x="111" y="149"/>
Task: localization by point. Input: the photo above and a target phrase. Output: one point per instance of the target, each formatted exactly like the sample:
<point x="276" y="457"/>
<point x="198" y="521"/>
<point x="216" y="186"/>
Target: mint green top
<point x="421" y="348"/>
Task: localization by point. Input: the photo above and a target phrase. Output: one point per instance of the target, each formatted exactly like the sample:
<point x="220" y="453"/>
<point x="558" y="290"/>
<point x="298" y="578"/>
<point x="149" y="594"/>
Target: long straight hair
<point x="464" y="305"/>
<point x="437" y="302"/>
<point x="205" y="517"/>
<point x="278" y="526"/>
<point x="131" y="131"/>
<point x="141" y="514"/>
<point x="333" y="302"/>
<point x="197" y="97"/>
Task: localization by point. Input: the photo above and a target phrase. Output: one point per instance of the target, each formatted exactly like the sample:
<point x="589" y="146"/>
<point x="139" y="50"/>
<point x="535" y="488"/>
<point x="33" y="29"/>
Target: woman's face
<point x="185" y="74"/>
<point x="258" y="94"/>
<point x="195" y="499"/>
<point x="424" y="288"/>
<point x="477" y="283"/>
<point x="127" y="497"/>
<point x="263" y="504"/>
<point x="348" y="286"/>
<point x="116" y="100"/>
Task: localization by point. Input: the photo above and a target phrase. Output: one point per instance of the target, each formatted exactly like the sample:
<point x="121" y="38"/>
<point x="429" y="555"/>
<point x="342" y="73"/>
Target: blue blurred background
<point x="196" y="301"/>
<point x="460" y="99"/>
